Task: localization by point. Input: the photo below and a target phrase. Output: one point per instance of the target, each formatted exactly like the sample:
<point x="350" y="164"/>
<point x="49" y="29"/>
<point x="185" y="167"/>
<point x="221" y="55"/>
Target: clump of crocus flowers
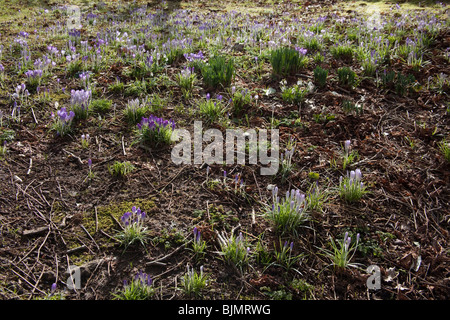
<point x="351" y="187"/>
<point x="155" y="131"/>
<point x="288" y="212"/>
<point x="349" y="155"/>
<point x="63" y="121"/>
<point x="79" y="101"/>
<point x="140" y="288"/>
<point x="34" y="77"/>
<point x="342" y="251"/>
<point x="235" y="250"/>
<point x="134" y="230"/>
<point x="198" y="244"/>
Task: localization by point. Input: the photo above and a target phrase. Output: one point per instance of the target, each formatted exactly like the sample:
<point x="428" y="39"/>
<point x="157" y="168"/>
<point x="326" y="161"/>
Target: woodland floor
<point x="52" y="215"/>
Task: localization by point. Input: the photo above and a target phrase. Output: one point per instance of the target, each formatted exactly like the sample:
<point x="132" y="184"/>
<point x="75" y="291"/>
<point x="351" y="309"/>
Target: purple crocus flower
<point x="347" y="144"/>
<point x="358" y="174"/>
<point x="197" y="235"/>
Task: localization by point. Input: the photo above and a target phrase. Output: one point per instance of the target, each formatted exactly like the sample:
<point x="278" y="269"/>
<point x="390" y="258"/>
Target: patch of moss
<point x="107" y="214"/>
<point x="169" y="238"/>
<point x="302" y="287"/>
<point x="217" y="217"/>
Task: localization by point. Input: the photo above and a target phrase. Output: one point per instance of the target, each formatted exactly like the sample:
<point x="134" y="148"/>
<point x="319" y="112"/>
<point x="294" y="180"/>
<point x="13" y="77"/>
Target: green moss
<point x="302" y="287"/>
<point x="107" y="214"/>
<point x="169" y="238"/>
<point x="217" y="217"/>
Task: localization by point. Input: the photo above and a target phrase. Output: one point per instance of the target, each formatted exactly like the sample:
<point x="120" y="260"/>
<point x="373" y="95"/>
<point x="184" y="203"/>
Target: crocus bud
<point x="347" y="145"/>
<point x="358" y="174"/>
<point x="352" y="175"/>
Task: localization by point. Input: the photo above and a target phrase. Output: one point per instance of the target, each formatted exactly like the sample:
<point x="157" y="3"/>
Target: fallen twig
<point x="29" y="168"/>
<point x="157" y="261"/>
<point x="89" y="235"/>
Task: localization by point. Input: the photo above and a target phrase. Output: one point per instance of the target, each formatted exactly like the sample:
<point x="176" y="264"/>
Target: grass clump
<point x="120" y="169"/>
<point x="211" y="109"/>
<point x="101" y="105"/>
<point x="117" y="87"/>
<point x="235" y="250"/>
<point x="194" y="282"/>
<point x="320" y="76"/>
<point x="287" y="61"/>
<point x="295" y="94"/>
<point x="218" y="72"/>
<point x="346" y="76"/>
<point x="134" y="111"/>
<point x="444" y="148"/>
<point x="240" y="99"/>
<point x="285" y="257"/>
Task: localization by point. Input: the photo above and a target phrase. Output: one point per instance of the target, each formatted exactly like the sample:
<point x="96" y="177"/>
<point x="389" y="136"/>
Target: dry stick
<point x="29" y="168"/>
<point x="28" y="253"/>
<point x="37" y="259"/>
<point x="24" y="191"/>
<point x="89" y="235"/>
<point x="27" y="281"/>
<point x="70" y="274"/>
<point x="123" y="147"/>
<point x="80" y="248"/>
<point x="78" y="238"/>
<point x="93" y="272"/>
<point x="60" y="194"/>
<point x="96" y="220"/>
<point x="170" y="201"/>
<point x="207" y="211"/>
<point x="239" y="293"/>
<point x="40" y="213"/>
<point x="37" y="282"/>
<point x="34" y="116"/>
<point x="80" y="162"/>
<point x="169" y="270"/>
<point x="175" y="289"/>
<point x="42" y="194"/>
<point x="154" y="189"/>
<point x="118" y="223"/>
<point x="111" y="237"/>
<point x="157" y="261"/>
<point x="257" y="185"/>
<point x="56" y="262"/>
<point x="171" y="180"/>
<point x="40" y="247"/>
<point x="96" y="141"/>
